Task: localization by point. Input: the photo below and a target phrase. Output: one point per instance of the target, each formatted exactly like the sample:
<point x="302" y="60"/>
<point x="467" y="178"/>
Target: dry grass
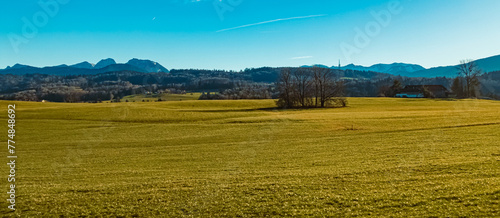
<point x="390" y="157"/>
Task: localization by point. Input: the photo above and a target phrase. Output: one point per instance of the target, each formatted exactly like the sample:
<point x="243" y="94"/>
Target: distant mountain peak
<point x="148" y="65"/>
<point x="315" y="65"/>
<point x="83" y="65"/>
<point x="104" y="63"/>
<point x="18" y="66"/>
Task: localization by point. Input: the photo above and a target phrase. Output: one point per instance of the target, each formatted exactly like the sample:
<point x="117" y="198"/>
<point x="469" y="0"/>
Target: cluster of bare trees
<point x="309" y="87"/>
<point x="466" y="85"/>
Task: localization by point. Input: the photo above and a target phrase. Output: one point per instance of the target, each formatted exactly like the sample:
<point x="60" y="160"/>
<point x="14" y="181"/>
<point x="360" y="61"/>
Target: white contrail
<point x="271" y="21"/>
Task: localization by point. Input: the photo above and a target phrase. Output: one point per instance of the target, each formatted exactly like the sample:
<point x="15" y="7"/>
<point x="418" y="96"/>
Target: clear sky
<point x="238" y="34"/>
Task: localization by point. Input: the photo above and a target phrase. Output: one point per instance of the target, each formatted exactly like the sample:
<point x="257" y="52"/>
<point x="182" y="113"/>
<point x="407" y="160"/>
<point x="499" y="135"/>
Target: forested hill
<point x="105" y="86"/>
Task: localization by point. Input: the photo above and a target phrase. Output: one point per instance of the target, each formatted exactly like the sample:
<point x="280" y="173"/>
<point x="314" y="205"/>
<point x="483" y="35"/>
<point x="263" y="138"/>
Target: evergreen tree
<point x="457" y="88"/>
<point x="396" y="87"/>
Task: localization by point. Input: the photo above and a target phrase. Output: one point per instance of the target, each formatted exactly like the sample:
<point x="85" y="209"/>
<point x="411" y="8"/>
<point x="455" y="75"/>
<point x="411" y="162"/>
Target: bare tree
<point x="309" y="87"/>
<point x="317" y="83"/>
<point x="303" y="82"/>
<point x="470" y="72"/>
<point x="286" y="88"/>
<point x="325" y="84"/>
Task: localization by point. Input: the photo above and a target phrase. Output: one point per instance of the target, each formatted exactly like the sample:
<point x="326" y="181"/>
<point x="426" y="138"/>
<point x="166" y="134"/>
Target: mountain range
<point x="103" y="66"/>
<point x="394" y="69"/>
<point x="147" y="66"/>
<point x="412" y="70"/>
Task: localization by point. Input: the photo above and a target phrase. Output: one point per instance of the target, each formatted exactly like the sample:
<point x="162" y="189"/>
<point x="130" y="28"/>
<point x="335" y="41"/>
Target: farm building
<point x="422" y="91"/>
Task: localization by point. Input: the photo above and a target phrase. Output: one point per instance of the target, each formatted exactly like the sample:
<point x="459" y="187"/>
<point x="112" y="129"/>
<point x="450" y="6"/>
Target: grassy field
<point x="163" y="97"/>
<point x="378" y="157"/>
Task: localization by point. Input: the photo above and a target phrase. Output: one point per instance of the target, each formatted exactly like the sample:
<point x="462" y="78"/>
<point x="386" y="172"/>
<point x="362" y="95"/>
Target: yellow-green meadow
<point x="378" y="156"/>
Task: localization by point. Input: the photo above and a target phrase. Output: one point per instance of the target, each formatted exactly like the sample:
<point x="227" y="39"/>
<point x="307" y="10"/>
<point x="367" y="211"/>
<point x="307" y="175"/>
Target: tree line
<point x="294" y="87"/>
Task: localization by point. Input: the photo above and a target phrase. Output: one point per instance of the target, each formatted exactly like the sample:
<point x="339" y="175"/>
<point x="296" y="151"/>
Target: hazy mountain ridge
<point x="149" y="66"/>
<point x="83" y="65"/>
<point x="104" y="63"/>
<point x="393" y="69"/>
<point x="17" y="66"/>
<point x="489" y="64"/>
<point x="86" y="68"/>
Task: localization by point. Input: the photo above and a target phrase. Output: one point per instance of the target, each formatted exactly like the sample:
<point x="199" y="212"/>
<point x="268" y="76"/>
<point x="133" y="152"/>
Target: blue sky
<point x="238" y="34"/>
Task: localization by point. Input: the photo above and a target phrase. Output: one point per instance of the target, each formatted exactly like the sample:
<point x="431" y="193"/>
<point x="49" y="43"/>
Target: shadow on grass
<point x="444" y="99"/>
<point x="232" y="110"/>
<point x="270" y="109"/>
<point x="458" y="99"/>
<point x="434" y="128"/>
